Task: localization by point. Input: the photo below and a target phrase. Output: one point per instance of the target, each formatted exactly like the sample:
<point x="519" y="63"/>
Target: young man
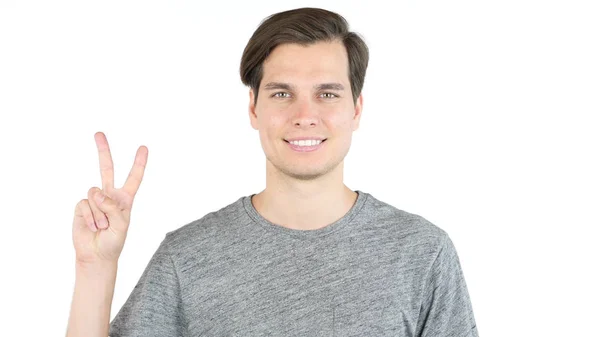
<point x="307" y="256"/>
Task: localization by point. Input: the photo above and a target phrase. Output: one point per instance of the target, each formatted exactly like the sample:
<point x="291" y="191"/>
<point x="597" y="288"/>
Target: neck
<point x="304" y="204"/>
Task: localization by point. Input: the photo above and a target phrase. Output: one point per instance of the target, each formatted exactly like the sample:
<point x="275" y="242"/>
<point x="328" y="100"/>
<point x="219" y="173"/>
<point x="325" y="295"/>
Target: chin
<point x="306" y="174"/>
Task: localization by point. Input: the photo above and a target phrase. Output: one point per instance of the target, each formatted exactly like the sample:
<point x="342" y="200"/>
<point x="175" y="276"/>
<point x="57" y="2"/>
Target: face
<point x="305" y="92"/>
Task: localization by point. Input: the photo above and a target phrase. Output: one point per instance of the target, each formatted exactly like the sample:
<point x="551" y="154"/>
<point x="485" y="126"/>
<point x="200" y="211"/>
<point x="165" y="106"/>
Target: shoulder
<point x="202" y="232"/>
<point x="409" y="229"/>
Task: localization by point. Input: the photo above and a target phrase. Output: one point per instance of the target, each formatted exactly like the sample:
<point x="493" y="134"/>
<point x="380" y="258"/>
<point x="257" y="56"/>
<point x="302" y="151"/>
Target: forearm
<point x="92" y="300"/>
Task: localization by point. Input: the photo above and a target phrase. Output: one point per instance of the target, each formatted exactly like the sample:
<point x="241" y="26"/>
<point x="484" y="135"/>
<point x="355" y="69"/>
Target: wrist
<point x="98" y="267"/>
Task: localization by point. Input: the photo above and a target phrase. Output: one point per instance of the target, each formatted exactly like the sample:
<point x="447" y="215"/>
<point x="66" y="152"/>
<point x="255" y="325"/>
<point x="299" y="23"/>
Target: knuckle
<point x="81" y="206"/>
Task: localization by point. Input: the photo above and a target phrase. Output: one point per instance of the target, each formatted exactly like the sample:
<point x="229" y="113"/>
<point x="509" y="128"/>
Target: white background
<point x="479" y="116"/>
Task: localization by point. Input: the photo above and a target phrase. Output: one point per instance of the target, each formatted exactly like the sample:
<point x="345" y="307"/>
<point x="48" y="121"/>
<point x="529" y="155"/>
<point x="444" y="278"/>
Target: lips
<point x="298" y="148"/>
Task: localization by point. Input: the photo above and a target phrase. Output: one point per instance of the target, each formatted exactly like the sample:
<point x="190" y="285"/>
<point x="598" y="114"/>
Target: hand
<point x="100" y="228"/>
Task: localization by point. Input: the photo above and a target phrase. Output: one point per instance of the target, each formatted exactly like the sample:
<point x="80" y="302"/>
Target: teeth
<point x="312" y="142"/>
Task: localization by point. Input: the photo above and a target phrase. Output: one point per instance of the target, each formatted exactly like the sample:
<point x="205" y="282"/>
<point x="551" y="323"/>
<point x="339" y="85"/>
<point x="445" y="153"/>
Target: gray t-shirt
<point x="377" y="271"/>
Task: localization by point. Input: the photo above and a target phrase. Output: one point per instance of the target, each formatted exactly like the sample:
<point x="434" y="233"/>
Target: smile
<point x="305" y="147"/>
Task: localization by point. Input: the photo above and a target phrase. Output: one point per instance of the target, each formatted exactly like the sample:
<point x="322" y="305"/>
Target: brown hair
<point x="303" y="26"/>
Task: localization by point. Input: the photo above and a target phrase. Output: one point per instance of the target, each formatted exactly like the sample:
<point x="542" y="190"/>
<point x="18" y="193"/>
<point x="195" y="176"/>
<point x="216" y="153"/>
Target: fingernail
<point x="103" y="224"/>
<point x="93" y="227"/>
<point x="99" y="197"/>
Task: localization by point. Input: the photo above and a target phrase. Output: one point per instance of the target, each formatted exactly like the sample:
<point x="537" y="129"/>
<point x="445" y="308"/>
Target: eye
<point x="330" y="95"/>
<point x="280" y="94"/>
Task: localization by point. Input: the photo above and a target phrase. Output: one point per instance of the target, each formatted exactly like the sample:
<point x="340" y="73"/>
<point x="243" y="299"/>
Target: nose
<point x="306" y="114"/>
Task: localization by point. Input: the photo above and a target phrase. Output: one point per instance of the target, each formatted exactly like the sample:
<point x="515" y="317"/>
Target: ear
<point x="252" y="111"/>
<point x="357" y="112"/>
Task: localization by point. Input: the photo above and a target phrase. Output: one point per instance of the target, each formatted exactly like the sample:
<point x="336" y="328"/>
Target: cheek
<point x="271" y="127"/>
<point x="341" y="121"/>
<point x="274" y="121"/>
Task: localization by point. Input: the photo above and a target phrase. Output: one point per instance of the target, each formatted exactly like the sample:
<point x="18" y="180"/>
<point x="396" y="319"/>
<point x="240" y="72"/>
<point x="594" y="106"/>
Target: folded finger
<point x="99" y="216"/>
<point x="86" y="214"/>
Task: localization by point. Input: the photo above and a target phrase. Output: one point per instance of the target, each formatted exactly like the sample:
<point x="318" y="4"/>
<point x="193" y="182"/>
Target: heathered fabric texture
<point x="377" y="271"/>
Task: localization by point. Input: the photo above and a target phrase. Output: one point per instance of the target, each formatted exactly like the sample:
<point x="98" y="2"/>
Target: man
<point x="307" y="256"/>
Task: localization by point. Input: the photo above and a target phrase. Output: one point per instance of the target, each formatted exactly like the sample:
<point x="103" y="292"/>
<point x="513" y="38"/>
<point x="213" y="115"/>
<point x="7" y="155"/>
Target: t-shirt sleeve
<point x="446" y="309"/>
<point x="154" y="306"/>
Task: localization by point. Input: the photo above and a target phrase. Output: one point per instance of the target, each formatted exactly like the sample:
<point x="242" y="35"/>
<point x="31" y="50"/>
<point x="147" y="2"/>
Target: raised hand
<point x="100" y="224"/>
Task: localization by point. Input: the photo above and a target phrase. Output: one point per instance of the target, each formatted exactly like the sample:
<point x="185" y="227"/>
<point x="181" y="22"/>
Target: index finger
<point x="134" y="180"/>
<point x="107" y="171"/>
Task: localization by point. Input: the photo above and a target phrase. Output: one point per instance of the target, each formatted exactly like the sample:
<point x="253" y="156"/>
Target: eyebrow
<point x="289" y="87"/>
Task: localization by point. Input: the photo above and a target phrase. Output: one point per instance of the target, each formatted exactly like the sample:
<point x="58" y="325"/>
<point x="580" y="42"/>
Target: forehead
<point x="321" y="61"/>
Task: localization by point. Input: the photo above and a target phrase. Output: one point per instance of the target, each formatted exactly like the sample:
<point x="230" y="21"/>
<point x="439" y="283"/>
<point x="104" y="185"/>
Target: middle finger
<point x="107" y="171"/>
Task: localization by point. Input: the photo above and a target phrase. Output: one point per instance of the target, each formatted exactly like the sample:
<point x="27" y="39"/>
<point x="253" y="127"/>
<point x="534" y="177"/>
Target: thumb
<point x="108" y="206"/>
